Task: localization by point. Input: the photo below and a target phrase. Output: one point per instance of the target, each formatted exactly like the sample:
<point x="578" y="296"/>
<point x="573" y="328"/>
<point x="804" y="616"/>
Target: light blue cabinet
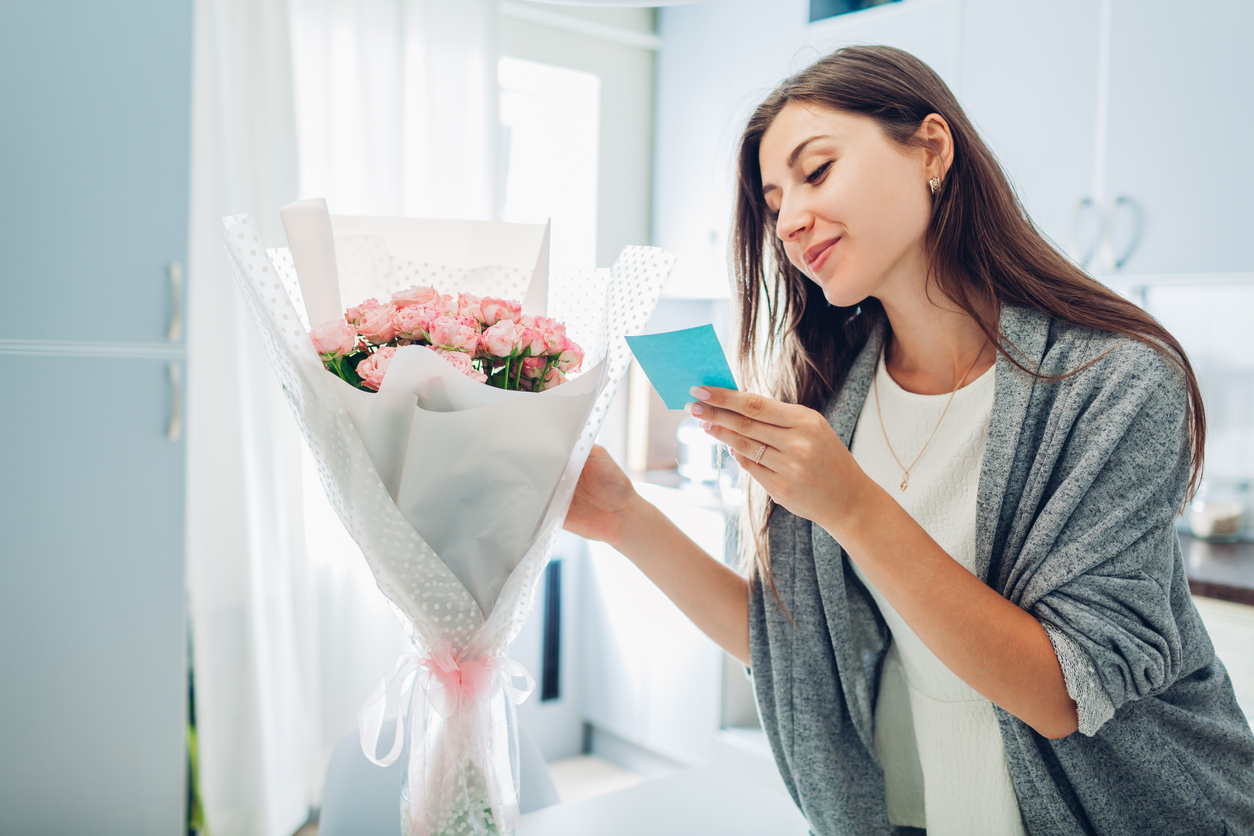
<point x="93" y="696"/>
<point x="95" y="104"/>
<point x="95" y="116"/>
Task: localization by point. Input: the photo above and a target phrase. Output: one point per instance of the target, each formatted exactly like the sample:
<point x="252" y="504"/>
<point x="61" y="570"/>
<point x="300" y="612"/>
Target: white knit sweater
<point x="936" y="737"/>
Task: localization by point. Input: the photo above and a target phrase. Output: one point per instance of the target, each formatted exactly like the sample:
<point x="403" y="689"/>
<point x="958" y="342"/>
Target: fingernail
<point x="695" y="409"/>
<point x="705" y="425"/>
<point x="700" y="393"/>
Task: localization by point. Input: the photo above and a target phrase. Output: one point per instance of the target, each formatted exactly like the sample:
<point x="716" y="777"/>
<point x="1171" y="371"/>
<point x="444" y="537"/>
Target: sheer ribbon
<point x="459" y="745"/>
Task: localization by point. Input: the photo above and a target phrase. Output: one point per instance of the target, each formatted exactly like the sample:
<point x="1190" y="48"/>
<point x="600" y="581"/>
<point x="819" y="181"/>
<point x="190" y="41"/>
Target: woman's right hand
<point x="602" y="499"/>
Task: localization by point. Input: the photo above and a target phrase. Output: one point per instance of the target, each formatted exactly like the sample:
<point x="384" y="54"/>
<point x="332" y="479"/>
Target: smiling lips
<point x="816" y="256"/>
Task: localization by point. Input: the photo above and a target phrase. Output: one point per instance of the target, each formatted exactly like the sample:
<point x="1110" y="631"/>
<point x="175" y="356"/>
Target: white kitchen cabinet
<point x="1123" y="126"/>
<point x="650" y="676"/>
<point x="1029" y="75"/>
<point x="1177" y="152"/>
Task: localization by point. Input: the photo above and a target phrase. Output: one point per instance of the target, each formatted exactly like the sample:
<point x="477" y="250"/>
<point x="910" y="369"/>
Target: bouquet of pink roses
<point x="449" y="428"/>
<point x="488" y="340"/>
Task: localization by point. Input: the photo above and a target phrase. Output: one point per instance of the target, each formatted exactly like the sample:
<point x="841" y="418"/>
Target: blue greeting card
<point x="678" y="360"/>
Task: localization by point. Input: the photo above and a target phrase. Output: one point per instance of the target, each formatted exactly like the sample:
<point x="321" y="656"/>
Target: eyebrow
<point x="796" y="155"/>
<point x="796" y="152"/>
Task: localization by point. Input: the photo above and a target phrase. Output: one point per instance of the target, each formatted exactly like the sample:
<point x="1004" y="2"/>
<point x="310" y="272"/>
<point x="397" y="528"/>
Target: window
<point x="549" y="118"/>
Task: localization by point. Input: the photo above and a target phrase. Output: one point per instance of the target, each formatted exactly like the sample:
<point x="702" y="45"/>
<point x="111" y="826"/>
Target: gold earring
<point x="935" y="184"/>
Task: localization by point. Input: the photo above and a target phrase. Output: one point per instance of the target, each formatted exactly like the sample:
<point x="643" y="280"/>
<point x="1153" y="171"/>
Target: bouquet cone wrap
<point x="455" y="491"/>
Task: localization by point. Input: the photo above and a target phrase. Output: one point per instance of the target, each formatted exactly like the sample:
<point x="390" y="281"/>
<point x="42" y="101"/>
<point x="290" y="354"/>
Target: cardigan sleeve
<point x="1103" y="553"/>
<point x="1093" y="706"/>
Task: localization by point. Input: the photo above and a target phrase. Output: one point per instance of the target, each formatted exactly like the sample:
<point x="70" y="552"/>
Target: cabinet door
<point x="1029" y="84"/>
<point x="1179" y="136"/>
<point x="94" y="177"/>
<point x="93" y="689"/>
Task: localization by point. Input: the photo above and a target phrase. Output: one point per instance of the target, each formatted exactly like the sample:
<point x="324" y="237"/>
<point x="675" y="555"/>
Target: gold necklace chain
<point x="875" y="383"/>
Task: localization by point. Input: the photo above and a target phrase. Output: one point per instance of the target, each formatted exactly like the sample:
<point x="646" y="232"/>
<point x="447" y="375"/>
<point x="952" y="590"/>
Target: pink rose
<point x="448" y="332"/>
<point x="495" y="310"/>
<point x="376" y="324"/>
<point x="501" y="339"/>
<point x="355" y="313"/>
<point x="416" y="295"/>
<point x="571" y="356"/>
<point x="461" y="361"/>
<point x="373" y="368"/>
<point x="469" y="305"/>
<point x="533" y="367"/>
<point x="448" y="305"/>
<point x="333" y="338"/>
<point x="414" y="321"/>
<point x="533" y="339"/>
<point x="554" y="341"/>
<point x="554" y="378"/>
<point x="548" y="323"/>
<point x="527" y="320"/>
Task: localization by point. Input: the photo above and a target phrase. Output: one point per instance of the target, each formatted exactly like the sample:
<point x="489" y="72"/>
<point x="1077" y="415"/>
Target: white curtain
<point x="397" y="107"/>
<point x="244" y="528"/>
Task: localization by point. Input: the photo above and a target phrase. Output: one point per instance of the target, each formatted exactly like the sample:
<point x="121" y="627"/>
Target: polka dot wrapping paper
<point x="475" y="601"/>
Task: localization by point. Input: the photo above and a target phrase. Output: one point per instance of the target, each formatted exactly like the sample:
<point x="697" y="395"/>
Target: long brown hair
<point x="984" y="251"/>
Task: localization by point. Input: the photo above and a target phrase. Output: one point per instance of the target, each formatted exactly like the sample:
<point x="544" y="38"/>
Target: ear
<point x="937" y="143"/>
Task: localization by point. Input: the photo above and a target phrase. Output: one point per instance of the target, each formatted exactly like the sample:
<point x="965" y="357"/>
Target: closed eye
<point x="816" y="176"/>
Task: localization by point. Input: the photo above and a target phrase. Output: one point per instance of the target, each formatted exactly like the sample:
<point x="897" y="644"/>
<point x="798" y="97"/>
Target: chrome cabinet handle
<point x="1111" y="261"/>
<point x="1074" y="246"/>
<point x="175" y="332"/>
<point x="174" y="430"/>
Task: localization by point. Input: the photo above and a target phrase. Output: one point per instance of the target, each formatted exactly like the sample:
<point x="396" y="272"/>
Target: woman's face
<point x="850" y="205"/>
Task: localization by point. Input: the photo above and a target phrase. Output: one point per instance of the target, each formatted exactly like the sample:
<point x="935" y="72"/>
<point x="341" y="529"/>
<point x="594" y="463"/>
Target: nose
<point x="794" y="219"/>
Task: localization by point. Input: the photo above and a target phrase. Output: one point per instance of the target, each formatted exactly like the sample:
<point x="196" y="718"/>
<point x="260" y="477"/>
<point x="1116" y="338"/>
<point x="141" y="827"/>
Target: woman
<point x="968" y="611"/>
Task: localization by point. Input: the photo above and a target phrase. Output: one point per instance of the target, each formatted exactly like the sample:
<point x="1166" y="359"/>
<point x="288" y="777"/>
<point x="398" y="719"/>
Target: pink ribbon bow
<point x="460" y="692"/>
<point x="461" y="680"/>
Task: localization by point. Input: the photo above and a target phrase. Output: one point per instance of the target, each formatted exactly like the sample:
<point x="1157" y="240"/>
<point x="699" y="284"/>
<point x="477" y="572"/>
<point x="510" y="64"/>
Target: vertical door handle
<point x="174" y="333"/>
<point x="1112" y="261"/>
<point x="1083" y="259"/>
<point x="174" y="430"/>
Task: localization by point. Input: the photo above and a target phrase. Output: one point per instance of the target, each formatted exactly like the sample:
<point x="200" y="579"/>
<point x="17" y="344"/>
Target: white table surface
<point x="693" y="802"/>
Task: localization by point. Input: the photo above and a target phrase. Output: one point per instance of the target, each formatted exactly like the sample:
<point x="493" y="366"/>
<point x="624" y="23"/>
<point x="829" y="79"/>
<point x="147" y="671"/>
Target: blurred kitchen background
<point x="187" y="628"/>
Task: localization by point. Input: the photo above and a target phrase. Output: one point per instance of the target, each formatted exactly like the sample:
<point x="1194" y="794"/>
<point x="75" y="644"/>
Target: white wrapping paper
<point x="455" y="491"/>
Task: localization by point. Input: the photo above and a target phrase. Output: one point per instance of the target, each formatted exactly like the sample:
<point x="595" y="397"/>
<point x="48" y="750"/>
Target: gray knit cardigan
<point x="1078" y="495"/>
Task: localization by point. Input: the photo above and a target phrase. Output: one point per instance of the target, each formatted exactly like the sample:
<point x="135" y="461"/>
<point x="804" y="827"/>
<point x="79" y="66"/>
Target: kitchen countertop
<point x="1219" y="570"/>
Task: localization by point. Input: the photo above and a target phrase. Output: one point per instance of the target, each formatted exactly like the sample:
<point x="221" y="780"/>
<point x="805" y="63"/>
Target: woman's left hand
<point x="803" y="464"/>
